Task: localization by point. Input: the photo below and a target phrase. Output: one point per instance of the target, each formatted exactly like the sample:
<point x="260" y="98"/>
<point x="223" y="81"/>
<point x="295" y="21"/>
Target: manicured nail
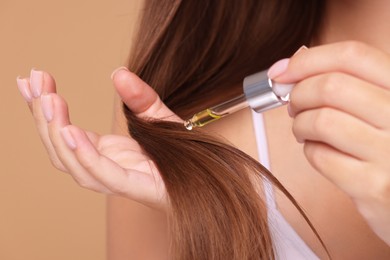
<point x="47" y="107"/>
<point x="302" y="48"/>
<point x="24" y="89"/>
<point x="36" y="82"/>
<point x="118" y="69"/>
<point x="68" y="138"/>
<point x="278" y="68"/>
<point x="282" y="90"/>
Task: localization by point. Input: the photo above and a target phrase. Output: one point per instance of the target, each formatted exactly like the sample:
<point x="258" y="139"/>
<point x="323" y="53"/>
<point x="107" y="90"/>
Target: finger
<point x="131" y="183"/>
<point x="339" y="130"/>
<point x="367" y="185"/>
<point x="42" y="82"/>
<point x="56" y="112"/>
<point x="24" y="89"/>
<point x="139" y="97"/>
<point x="343" y="92"/>
<point x="354" y="58"/>
<point x="348" y="173"/>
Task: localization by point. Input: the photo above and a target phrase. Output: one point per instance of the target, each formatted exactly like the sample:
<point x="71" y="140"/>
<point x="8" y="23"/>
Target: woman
<point x="195" y="54"/>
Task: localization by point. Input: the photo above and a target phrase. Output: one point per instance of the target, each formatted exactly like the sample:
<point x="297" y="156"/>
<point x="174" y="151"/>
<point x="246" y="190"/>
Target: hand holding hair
<point x="341" y="111"/>
<point x="109" y="164"/>
<point x="212" y="177"/>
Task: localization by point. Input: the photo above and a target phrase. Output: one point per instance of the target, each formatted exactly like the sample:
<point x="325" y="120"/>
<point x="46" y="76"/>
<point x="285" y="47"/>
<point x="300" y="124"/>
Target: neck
<point x="361" y="20"/>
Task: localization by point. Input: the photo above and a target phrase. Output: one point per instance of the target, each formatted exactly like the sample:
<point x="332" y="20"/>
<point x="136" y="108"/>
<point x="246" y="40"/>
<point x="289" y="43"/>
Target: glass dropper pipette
<point x="216" y="112"/>
<point x="260" y="93"/>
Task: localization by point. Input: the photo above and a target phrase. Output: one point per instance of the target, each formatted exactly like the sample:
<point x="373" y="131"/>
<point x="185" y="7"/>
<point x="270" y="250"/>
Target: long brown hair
<point x="196" y="54"/>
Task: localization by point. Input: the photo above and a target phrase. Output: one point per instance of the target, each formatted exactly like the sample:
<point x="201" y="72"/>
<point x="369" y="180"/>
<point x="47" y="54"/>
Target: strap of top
<point x="262" y="151"/>
<point x="288" y="244"/>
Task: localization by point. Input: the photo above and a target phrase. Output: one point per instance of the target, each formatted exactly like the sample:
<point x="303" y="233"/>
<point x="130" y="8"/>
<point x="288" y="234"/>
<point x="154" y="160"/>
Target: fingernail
<point x="24" y="88"/>
<point x="36" y="82"/>
<point x="278" y="68"/>
<point x="302" y="48"/>
<point x="118" y="69"/>
<point x="47" y="107"/>
<point x="282" y="90"/>
<point x="68" y="138"/>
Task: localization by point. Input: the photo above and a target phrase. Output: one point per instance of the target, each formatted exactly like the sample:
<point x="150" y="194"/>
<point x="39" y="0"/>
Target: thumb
<point x="139" y="97"/>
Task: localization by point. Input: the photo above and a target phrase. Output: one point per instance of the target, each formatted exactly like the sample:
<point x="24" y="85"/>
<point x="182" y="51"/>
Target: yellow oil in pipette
<point x="214" y="113"/>
<point x="200" y="119"/>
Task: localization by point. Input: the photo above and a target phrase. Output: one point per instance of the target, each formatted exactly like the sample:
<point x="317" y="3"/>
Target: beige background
<point x="43" y="213"/>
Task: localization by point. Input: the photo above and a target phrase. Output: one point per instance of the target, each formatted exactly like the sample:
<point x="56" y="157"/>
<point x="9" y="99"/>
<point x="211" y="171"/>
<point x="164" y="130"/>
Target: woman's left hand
<point x="341" y="111"/>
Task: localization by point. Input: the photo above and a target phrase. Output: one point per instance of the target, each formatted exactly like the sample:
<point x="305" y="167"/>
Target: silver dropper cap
<point x="259" y="93"/>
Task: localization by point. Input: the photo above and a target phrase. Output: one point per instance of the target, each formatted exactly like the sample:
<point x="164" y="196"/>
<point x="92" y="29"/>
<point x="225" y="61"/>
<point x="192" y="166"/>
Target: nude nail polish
<point x="24" y="88"/>
<point x="68" y="138"/>
<point x="118" y="69"/>
<point x="302" y="48"/>
<point x="47" y="107"/>
<point x="282" y="90"/>
<point x="278" y="68"/>
<point x="36" y="82"/>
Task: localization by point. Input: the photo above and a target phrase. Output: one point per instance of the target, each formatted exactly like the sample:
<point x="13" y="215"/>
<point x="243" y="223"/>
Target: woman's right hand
<point x="341" y="106"/>
<point x="110" y="164"/>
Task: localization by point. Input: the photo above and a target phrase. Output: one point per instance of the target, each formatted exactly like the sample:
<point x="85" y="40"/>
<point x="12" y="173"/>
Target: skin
<point x="344" y="142"/>
<point x="330" y="152"/>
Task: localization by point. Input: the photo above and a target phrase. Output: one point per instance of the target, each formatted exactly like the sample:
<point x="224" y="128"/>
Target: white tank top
<point x="287" y="243"/>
